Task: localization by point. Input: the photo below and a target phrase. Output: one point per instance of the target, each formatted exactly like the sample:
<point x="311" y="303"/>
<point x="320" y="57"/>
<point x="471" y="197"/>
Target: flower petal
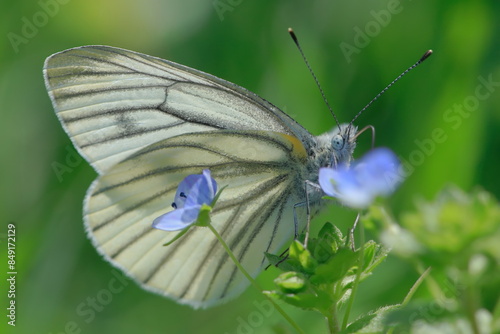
<point x="195" y="189"/>
<point x="184" y="189"/>
<point x="177" y="219"/>
<point x="202" y="191"/>
<point x="326" y="180"/>
<point x="212" y="185"/>
<point x="193" y="192"/>
<point x="375" y="174"/>
<point x="378" y="171"/>
<point x="355" y="197"/>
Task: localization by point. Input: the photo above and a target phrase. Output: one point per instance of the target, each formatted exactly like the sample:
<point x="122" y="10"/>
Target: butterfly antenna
<point x="424" y="57"/>
<point x="294" y="37"/>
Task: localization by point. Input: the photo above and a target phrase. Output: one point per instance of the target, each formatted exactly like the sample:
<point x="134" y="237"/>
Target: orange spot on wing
<point x="299" y="150"/>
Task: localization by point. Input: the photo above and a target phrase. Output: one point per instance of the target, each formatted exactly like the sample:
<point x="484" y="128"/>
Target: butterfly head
<point x="342" y="144"/>
<point x="334" y="147"/>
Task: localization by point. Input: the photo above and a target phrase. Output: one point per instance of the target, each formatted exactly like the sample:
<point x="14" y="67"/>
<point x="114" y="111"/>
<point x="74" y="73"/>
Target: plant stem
<point x="470" y="302"/>
<point x="415" y="286"/>
<point x="434" y="288"/>
<point x="333" y="324"/>
<point x="355" y="284"/>
<point x="332" y="313"/>
<point x="252" y="281"/>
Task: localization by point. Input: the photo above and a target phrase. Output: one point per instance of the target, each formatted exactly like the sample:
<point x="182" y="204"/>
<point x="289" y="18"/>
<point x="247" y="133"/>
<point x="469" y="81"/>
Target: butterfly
<point x="144" y="124"/>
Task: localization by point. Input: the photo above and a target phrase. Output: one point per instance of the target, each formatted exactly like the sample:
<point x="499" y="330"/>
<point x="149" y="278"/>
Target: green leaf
<point x="177" y="236"/>
<point x="374" y="255"/>
<point x="217" y="196"/>
<point x="273" y="259"/>
<point x="291" y="282"/>
<point x="303" y="257"/>
<point x="332" y="233"/>
<point x="371" y="322"/>
<point x="414" y="312"/>
<point x="336" y="268"/>
<point x="282" y="262"/>
<point x="305" y="300"/>
<point x="327" y="243"/>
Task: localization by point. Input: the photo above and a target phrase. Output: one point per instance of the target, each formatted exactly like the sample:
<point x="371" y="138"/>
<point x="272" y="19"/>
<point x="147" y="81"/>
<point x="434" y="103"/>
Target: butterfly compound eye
<point x="337" y="142"/>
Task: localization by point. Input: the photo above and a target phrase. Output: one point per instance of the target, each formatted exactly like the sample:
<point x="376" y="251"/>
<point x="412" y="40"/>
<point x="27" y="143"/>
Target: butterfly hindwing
<point x="263" y="172"/>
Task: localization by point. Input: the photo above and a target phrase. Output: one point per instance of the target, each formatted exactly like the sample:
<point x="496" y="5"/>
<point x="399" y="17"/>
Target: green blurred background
<point x="245" y="42"/>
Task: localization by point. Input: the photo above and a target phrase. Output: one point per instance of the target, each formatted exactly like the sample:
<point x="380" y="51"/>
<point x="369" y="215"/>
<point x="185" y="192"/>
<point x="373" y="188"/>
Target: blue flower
<point x="375" y="174"/>
<point x="193" y="192"/>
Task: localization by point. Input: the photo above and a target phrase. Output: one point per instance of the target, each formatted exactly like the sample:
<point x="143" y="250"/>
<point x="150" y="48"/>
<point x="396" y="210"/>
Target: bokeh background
<point x="62" y="281"/>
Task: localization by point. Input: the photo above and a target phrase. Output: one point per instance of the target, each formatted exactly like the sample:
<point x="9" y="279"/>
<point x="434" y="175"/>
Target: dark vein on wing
<point x="144" y="61"/>
<point x="133" y="133"/>
<point x="83" y="73"/>
<point x="105" y="90"/>
<point x="275" y="229"/>
<point x="107" y="113"/>
<point x="104" y="59"/>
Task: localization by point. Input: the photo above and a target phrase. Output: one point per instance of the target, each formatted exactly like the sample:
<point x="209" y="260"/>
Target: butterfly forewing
<point x="113" y="102"/>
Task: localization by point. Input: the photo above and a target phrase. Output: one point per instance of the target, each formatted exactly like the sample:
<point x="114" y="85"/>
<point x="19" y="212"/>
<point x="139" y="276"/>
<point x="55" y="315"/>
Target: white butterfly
<point x="144" y="124"/>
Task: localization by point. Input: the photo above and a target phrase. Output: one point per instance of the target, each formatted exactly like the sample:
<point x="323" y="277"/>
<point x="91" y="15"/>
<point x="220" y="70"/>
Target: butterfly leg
<point x="351" y="232"/>
<point x="315" y="187"/>
<point x="296" y="219"/>
<point x="284" y="255"/>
